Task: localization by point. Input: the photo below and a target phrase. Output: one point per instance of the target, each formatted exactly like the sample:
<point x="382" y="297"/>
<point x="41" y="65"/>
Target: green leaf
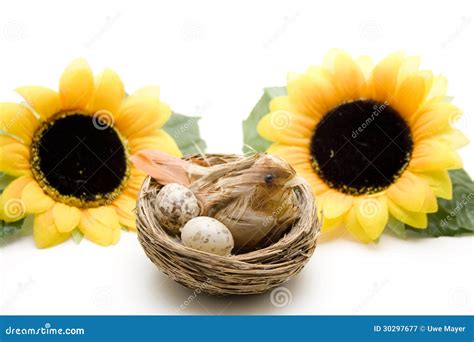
<point x="77" y="236"/>
<point x="252" y="140"/>
<point x="27" y="226"/>
<point x="12" y="231"/>
<point x="185" y="131"/>
<point x="10" y="228"/>
<point x="456" y="216"/>
<point x="397" y="227"/>
<point x="5" y="180"/>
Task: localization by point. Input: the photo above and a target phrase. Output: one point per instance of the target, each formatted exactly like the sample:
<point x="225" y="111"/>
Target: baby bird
<point x="253" y="196"/>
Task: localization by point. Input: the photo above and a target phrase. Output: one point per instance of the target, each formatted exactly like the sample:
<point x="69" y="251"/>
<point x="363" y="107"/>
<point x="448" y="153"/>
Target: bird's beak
<point x="294" y="181"/>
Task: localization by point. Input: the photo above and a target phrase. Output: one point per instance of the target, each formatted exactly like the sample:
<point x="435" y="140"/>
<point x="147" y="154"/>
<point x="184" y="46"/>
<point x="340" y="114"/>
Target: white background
<point x="212" y="58"/>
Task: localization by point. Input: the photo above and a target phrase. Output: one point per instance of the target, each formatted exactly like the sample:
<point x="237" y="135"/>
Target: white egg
<point x="208" y="235"/>
<point x="175" y="205"/>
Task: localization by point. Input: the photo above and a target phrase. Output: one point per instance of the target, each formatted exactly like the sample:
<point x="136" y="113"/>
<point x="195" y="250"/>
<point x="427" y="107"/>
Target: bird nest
<point x="249" y="273"/>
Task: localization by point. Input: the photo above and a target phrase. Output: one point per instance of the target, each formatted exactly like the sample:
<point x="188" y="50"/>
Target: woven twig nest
<point x="249" y="273"/>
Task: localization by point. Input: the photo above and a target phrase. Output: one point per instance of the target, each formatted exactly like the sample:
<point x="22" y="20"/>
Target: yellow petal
<point x="35" y="200"/>
<point x="136" y="180"/>
<point x="313" y="94"/>
<point x="76" y="85"/>
<point x="66" y="217"/>
<point x="439" y="181"/>
<point x="134" y="185"/>
<point x="18" y="121"/>
<point x="408" y="192"/>
<point x="385" y="76"/>
<point x="366" y="65"/>
<point x="372" y="214"/>
<point x="333" y="232"/>
<point x="317" y="185"/>
<point x="355" y="228"/>
<point x="100" y="225"/>
<point x="14" y="157"/>
<point x="453" y="138"/>
<point x="414" y="219"/>
<point x="295" y="155"/>
<point x="438" y="88"/>
<point x="330" y="225"/>
<point x="140" y="115"/>
<point x="286" y="127"/>
<point x="430" y="205"/>
<point x="433" y="119"/>
<point x="281" y="103"/>
<point x="152" y="91"/>
<point x="125" y="207"/>
<point x="105" y="215"/>
<point x="108" y="94"/>
<point x="430" y="155"/>
<point x="45" y="231"/>
<point x="410" y="94"/>
<point x="44" y="101"/>
<point x="335" y="204"/>
<point x="347" y="75"/>
<point x="159" y="140"/>
<point x="12" y="207"/>
<point x="409" y="66"/>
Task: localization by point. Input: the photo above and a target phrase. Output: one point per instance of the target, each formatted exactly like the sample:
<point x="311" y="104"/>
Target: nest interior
<point x="249" y="273"/>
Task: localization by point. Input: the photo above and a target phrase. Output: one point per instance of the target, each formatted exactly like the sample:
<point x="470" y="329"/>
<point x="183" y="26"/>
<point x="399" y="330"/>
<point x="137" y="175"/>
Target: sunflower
<point x="68" y="152"/>
<point x="373" y="141"/>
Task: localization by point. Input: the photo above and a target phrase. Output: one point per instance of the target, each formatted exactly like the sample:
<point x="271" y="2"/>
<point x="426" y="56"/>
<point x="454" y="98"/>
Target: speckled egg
<point x="208" y="235"/>
<point x="175" y="205"/>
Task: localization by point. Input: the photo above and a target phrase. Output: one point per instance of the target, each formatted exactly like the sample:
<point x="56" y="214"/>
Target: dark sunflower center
<point x="361" y="147"/>
<point x="79" y="160"/>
